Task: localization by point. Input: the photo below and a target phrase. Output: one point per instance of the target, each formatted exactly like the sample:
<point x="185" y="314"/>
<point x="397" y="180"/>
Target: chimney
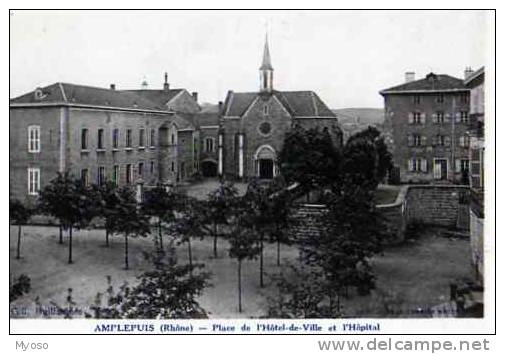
<point x="112" y="86"/>
<point x="195" y="96"/>
<point x="468" y="72"/>
<point x="220" y="106"/>
<point x="410" y="76"/>
<point x="166" y="86"/>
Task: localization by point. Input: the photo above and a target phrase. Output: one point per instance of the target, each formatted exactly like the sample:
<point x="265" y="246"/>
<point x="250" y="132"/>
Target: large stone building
<point x="146" y="136"/>
<point x="101" y="134"/>
<point x="253" y="125"/>
<point x="475" y="83"/>
<point x="426" y="122"/>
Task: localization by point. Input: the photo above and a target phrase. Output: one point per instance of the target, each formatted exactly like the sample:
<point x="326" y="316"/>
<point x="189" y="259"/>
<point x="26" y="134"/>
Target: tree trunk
<point x="126" y="251"/>
<point x="18" y="253"/>
<point x="70" y="245"/>
<point x="215" y="240"/>
<point x="261" y="261"/>
<point x="61" y="235"/>
<point x="160" y="235"/>
<point x="106" y="238"/>
<point x="190" y="255"/>
<point x="239" y="285"/>
<point x="278" y="251"/>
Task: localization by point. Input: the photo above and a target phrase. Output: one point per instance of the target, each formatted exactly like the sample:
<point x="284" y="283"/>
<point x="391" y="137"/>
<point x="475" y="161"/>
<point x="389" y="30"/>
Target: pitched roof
<point x="160" y="97"/>
<point x="88" y="95"/>
<point x="297" y="103"/>
<point x="183" y="122"/>
<point x="236" y="103"/>
<point x="206" y="119"/>
<point x="432" y="82"/>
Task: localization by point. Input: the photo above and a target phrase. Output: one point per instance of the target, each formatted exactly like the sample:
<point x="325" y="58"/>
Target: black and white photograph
<point x="309" y="171"/>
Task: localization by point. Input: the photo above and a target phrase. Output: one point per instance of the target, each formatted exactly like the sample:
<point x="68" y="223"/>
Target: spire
<point x="266" y="70"/>
<point x="266" y="65"/>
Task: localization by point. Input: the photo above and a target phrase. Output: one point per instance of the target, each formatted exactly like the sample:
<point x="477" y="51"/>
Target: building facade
<point x="149" y="136"/>
<point x="100" y="134"/>
<point x="426" y="122"/>
<point x="253" y="125"/>
<point x="475" y="83"/>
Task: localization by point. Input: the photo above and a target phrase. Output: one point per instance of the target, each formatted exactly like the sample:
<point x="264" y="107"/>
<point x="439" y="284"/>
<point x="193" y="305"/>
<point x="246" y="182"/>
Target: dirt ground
<point x="412" y="276"/>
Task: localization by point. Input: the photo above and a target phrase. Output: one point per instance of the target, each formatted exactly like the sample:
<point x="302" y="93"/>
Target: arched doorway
<point x="265" y="162"/>
<point x="209" y="168"/>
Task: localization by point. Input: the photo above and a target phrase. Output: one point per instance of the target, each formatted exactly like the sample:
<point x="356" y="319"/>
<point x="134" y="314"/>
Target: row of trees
<point x="246" y="221"/>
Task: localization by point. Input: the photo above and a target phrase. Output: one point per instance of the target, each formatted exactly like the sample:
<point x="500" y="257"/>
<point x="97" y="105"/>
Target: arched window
<point x="209" y="144"/>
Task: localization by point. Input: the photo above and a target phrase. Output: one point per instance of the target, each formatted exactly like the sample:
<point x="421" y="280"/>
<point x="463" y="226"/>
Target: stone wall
<point x="435" y="205"/>
<point x="427" y="204"/>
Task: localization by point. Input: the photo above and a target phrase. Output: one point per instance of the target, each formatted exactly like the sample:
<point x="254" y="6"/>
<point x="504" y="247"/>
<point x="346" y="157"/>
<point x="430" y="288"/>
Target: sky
<point x="346" y="57"/>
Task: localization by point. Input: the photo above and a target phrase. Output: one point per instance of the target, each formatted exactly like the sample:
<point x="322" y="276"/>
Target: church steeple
<point x="266" y="70"/>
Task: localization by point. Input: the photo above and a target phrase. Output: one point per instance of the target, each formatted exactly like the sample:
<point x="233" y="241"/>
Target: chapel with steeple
<point x="253" y="124"/>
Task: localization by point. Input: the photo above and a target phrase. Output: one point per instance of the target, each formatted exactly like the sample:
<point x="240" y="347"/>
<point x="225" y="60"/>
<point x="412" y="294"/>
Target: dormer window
<point x="39" y="95"/>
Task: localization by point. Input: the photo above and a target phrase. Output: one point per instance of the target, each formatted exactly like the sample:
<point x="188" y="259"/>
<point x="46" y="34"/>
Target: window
<point x="141" y="170"/>
<point x="84" y="139"/>
<point x="265" y="128"/>
<point x="172" y="139"/>
<point x="129" y="174"/>
<point x="100" y="143"/>
<point x="85" y="176"/>
<point x="152" y="167"/>
<point x="439" y="118"/>
<point x="416" y="118"/>
<point x="440" y="98"/>
<point x="265" y="110"/>
<point x="141" y="137"/>
<point x="128" y="138"/>
<point x="172" y="168"/>
<point x="417" y="140"/>
<point x="34" y="138"/>
<point x="100" y="180"/>
<point x="33" y="181"/>
<point x="209" y="145"/>
<point x="417" y="99"/>
<point x="417" y="164"/>
<point x="464" y="141"/>
<point x="153" y="138"/>
<point x="115" y="175"/>
<point x="442" y="140"/>
<point x="464" y="165"/>
<point x="115" y="138"/>
<point x="464" y="98"/>
<point x="464" y="116"/>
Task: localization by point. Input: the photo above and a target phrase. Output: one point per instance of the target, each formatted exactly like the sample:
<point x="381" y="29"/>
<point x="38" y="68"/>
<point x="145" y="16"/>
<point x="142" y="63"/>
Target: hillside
<point x="362" y="116"/>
